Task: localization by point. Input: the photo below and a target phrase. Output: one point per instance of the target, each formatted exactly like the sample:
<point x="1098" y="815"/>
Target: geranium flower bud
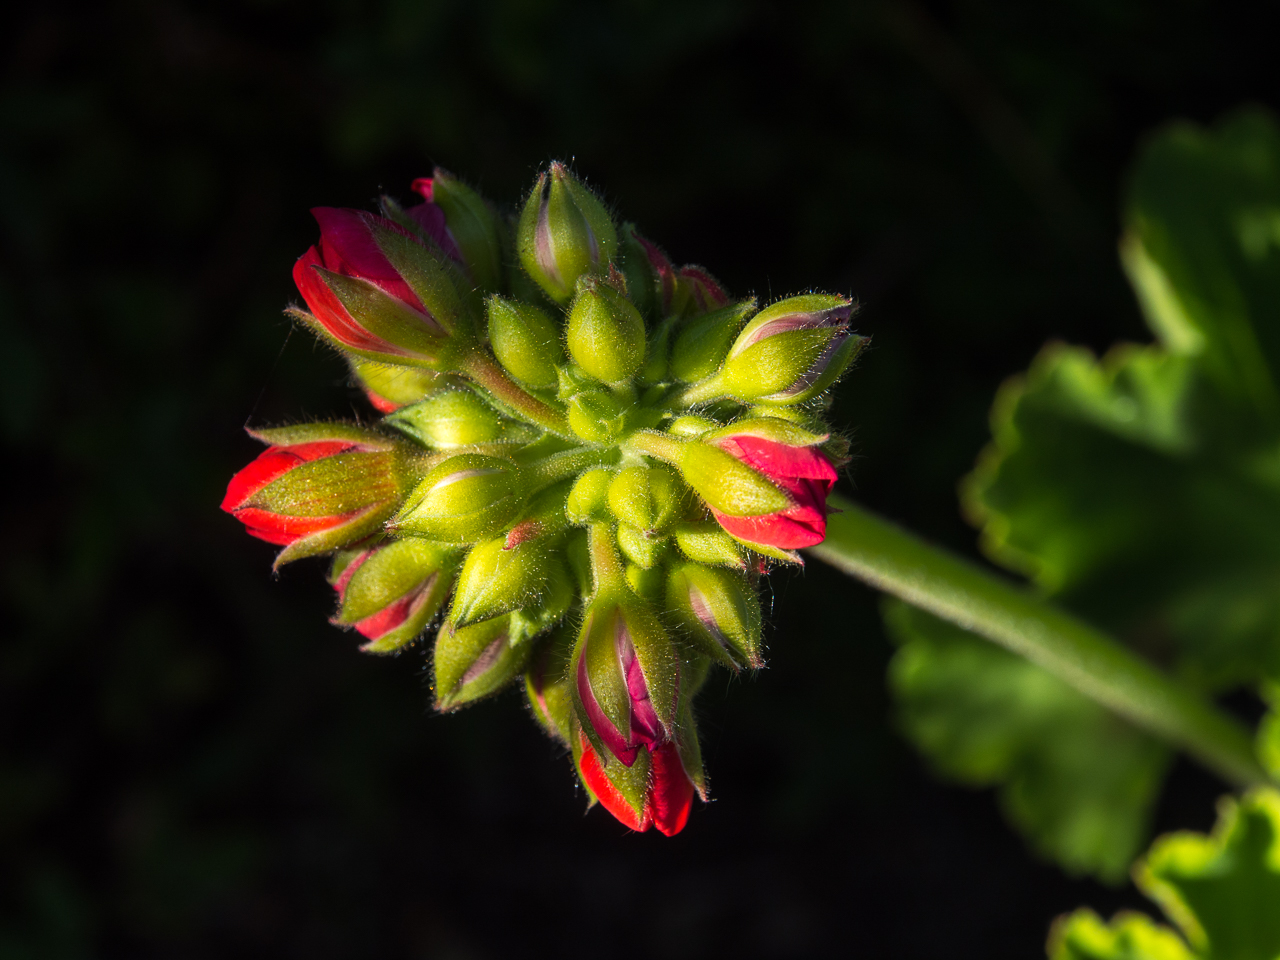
<point x="655" y="792"/>
<point x="457" y="418"/>
<point x="719" y="611"/>
<point x="703" y="344"/>
<point x="626" y="676"/>
<point x="390" y="387"/>
<point x="390" y="592"/>
<point x="605" y="333"/>
<point x="468" y="223"/>
<point x="648" y="498"/>
<point x="789" y="353"/>
<point x="787" y="456"/>
<point x="588" y="500"/>
<point x="526" y="342"/>
<point x="548" y="687"/>
<point x="705" y="293"/>
<point x="564" y="232"/>
<point x="476" y="661"/>
<point x="708" y="543"/>
<point x="318" y="487"/>
<point x="467" y="498"/>
<point x="651" y="280"/>
<point x="496" y="579"/>
<point x="642" y="548"/>
<point x="597" y="416"/>
<point x="377" y="292"/>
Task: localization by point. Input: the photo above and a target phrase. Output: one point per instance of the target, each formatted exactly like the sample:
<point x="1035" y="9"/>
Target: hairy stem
<point x="481" y="367"/>
<point x="897" y="562"/>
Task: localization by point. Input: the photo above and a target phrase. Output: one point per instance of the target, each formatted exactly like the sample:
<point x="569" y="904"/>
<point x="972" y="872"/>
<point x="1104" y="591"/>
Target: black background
<point x="195" y="764"/>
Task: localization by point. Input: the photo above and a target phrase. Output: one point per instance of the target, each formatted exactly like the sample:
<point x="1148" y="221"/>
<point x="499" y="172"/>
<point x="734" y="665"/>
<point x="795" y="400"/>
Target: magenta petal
<point x="646" y="728"/>
<point x="432" y="221"/>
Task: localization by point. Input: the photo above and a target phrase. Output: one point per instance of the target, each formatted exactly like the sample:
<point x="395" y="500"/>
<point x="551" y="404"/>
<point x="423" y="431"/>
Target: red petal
<point x="328" y="309"/>
<point x="280" y="529"/>
<point x="274" y="463"/>
<point x="424" y="187"/>
<point x="792" y="530"/>
<point x="671" y="795"/>
<point x="606" y="792"/>
<point x="395" y="614"/>
<point x="381" y="404"/>
<point x="348" y="247"/>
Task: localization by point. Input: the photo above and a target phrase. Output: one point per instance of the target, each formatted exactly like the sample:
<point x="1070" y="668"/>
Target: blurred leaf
<point x="1072" y="776"/>
<point x="1221" y="891"/>
<point x="1142" y="491"/>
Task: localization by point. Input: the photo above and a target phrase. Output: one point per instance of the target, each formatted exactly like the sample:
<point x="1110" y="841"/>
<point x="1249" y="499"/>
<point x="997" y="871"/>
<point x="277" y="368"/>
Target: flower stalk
<point x="899" y="563"/>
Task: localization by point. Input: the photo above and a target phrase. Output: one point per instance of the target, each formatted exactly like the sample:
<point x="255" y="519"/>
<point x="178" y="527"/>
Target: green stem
<point x="568" y="463"/>
<point x="606" y="568"/>
<point x="701" y="392"/>
<point x="660" y="446"/>
<point x="897" y="562"/>
<point x="484" y="370"/>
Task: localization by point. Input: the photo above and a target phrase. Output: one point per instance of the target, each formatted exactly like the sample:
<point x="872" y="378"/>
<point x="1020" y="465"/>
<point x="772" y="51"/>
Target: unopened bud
<point x="626" y="675"/>
<point x="472" y="225"/>
<point x="727" y="484"/>
<point x="647" y="582"/>
<point x="588" y="500"/>
<point x="548" y="686"/>
<point x="526" y="341"/>
<point x="705" y="292"/>
<point x="647" y="498"/>
<point x="704" y="343"/>
<point x="605" y="333"/>
<point x="467" y="498"/>
<point x="390" y="592"/>
<point x="719" y="612"/>
<point x="644" y="285"/>
<point x="641" y="547"/>
<point x="790" y="351"/>
<point x="476" y="661"/>
<point x="496" y="580"/>
<point x="457" y="418"/>
<point x="707" y="542"/>
<point x="564" y="232"/>
<point x="597" y="416"/>
<point x="320" y="486"/>
<point x="390" y="386"/>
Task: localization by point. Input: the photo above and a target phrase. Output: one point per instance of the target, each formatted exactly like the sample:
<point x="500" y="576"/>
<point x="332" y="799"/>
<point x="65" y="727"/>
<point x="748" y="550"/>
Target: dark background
<point x="195" y="764"/>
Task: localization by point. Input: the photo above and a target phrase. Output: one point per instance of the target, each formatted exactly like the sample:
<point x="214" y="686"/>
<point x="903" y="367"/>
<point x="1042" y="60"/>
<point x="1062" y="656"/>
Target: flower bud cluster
<point x="586" y="459"/>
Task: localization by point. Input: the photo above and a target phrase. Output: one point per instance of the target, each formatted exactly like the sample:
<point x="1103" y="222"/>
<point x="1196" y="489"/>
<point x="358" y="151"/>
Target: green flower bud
<point x="564" y="232"/>
<point x="648" y="498"/>
<point x="526" y="341"/>
<point x="458" y="418"/>
<point x="466" y="499"/>
<point x="640" y="547"/>
<point x="605" y="332"/>
<point x="719" y="611"/>
<point x="496" y="579"/>
<point x="707" y="542"/>
<point x="704" y="343"/>
<point x="389" y="386"/>
<point x="547" y="684"/>
<point x="390" y="592"/>
<point x="597" y="416"/>
<point x="553" y="602"/>
<point x="644" y="286"/>
<point x="474" y="227"/>
<point x="588" y="500"/>
<point x="476" y="661"/>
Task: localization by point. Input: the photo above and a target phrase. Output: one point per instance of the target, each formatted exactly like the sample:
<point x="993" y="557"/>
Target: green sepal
<point x="707" y="542"/>
<point x="563" y="233"/>
<point x="776" y="429"/>
<point x="605" y="333"/>
<point x="495" y="580"/>
<point x="457" y="418"/>
<point x="526" y="341"/>
<point x="719" y="611"/>
<point x="393" y="383"/>
<point x="546" y="684"/>
<point x="598" y="416"/>
<point x="548" y="609"/>
<point x="728" y="484"/>
<point x="365" y="523"/>
<point x="589" y="499"/>
<point x="641" y="547"/>
<point x="331" y="486"/>
<point x="655" y="367"/>
<point x="474" y="226"/>
<point x="632" y="782"/>
<point x="648" y="498"/>
<point x="646" y="582"/>
<point x="643" y="283"/>
<point x="431" y="276"/>
<point x="394" y="570"/>
<point x="475" y="662"/>
<point x="414" y="338"/>
<point x="703" y="344"/>
<point x="297" y="433"/>
<point x="828" y="368"/>
<point x="691" y="426"/>
<point x="595" y="653"/>
<point x="695" y="673"/>
<point x="465" y="499"/>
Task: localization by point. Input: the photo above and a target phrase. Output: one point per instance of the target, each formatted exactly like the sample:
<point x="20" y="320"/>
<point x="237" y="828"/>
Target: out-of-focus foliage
<point x="1141" y="490"/>
<point x="1220" y="891"/>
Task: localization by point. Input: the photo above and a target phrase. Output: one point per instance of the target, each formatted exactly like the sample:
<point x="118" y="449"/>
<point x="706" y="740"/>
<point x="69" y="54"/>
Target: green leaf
<point x="1141" y="491"/>
<point x="1222" y="891"/>
<point x="1077" y="780"/>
